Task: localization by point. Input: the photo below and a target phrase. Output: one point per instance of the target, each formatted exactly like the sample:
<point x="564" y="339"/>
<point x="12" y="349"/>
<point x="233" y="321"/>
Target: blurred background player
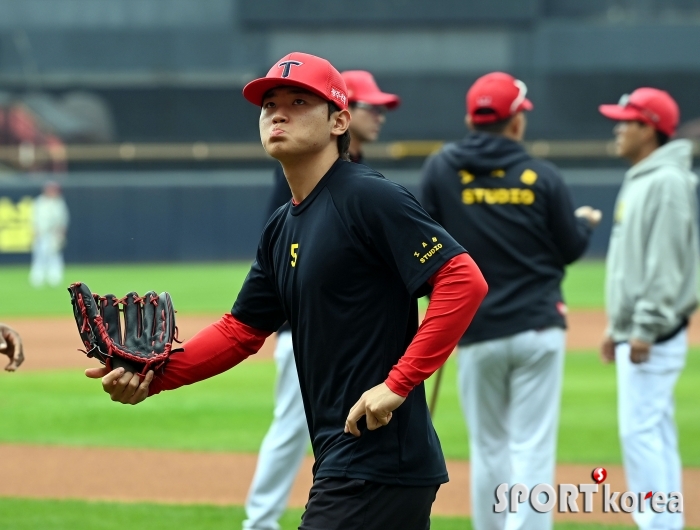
<point x="285" y="443"/>
<point x="11" y="345"/>
<point x="651" y="271"/>
<point x="50" y="222"/>
<point x="514" y="215"/>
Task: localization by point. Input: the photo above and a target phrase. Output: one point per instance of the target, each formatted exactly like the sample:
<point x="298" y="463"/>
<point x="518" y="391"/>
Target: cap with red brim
<point x="647" y="105"/>
<point x="363" y="88"/>
<point x="302" y="70"/>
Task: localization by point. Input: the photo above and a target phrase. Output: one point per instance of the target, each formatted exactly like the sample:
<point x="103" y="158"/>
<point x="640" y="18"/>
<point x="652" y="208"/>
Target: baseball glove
<point x="148" y="328"/>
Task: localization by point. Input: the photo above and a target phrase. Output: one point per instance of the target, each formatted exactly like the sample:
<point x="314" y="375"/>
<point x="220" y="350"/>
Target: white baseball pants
<point x="510" y="390"/>
<point x="647" y="426"/>
<point x="47" y="261"/>
<point x="283" y="448"/>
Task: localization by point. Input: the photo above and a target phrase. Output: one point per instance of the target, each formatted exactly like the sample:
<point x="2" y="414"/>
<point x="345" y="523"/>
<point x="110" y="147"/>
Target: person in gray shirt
<point x="651" y="271"/>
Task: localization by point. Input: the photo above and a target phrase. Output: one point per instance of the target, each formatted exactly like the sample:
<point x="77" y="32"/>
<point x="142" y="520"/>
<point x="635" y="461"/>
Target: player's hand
<point x="11" y="345"/>
<point x="607" y="350"/>
<point x="122" y="386"/>
<point x="639" y="351"/>
<point x="377" y="405"/>
<point x="590" y="214"/>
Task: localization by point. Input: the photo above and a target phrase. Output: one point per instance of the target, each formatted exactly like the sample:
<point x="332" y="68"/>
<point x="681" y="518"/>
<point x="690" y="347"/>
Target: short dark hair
<point x="661" y="138"/>
<point x="494" y="127"/>
<point x="343" y="139"/>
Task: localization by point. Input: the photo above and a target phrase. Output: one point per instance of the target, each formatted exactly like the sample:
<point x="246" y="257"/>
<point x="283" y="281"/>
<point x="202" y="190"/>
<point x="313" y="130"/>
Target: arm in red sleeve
<point x="458" y="289"/>
<point x="213" y="350"/>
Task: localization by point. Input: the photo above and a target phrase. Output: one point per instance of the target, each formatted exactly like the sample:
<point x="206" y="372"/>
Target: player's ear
<point x="340" y="122"/>
<point x="517" y="126"/>
<point x="468" y="122"/>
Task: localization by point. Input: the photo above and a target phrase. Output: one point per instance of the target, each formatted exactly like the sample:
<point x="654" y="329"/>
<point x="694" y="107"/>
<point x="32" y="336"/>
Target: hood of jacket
<point x="480" y="153"/>
<point x="678" y="153"/>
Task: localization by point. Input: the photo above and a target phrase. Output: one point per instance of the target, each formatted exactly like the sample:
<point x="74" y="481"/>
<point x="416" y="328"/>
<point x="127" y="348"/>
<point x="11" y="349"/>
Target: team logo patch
<point x="287" y="65"/>
<point x="484" y="101"/>
<point x="339" y="95"/>
<point x="466" y="176"/>
<point x="528" y="177"/>
<point x="424" y="256"/>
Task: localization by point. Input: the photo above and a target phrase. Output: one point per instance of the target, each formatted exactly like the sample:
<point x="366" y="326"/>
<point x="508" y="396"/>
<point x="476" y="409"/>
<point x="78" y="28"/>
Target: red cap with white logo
<point x="303" y="70"/>
<point x="496" y="96"/>
<point x="649" y="105"/>
<point x="363" y="88"/>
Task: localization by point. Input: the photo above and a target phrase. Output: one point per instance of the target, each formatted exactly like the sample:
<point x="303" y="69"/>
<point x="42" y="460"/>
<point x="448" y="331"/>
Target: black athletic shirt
<point x="281" y="194"/>
<point x="345" y="268"/>
<point x="515" y="215"/>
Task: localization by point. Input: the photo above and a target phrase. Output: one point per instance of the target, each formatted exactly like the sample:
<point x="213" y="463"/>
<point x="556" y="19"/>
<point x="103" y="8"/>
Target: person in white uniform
<point x="285" y="443"/>
<point x="515" y="217"/>
<point x="50" y="222"/>
<point x="651" y="271"/>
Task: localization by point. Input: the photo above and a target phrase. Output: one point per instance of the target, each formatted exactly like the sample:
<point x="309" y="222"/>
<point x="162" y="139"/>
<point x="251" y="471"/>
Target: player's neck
<point x="304" y="172"/>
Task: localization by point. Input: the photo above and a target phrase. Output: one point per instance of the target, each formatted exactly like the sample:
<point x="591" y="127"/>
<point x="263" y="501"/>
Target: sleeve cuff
<point x="640" y="333"/>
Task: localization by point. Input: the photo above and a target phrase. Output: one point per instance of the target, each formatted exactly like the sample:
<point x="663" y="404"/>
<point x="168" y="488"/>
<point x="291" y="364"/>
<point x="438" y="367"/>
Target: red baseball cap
<point x="362" y="87"/>
<point x="304" y="70"/>
<point x="649" y="105"/>
<point x="495" y="97"/>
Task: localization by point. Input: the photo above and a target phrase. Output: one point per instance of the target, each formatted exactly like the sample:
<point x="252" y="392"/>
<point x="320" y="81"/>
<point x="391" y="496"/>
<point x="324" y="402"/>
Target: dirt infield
<point x="52" y="343"/>
<point x="216" y="478"/>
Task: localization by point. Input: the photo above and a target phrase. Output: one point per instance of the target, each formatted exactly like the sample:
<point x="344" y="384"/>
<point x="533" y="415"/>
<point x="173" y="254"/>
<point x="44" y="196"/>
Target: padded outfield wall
<point x="197" y="215"/>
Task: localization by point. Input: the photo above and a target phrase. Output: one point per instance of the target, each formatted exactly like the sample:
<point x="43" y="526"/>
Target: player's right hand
<point x="122" y="386"/>
<point x="607" y="350"/>
<point x="590" y="214"/>
<point x="11" y="345"/>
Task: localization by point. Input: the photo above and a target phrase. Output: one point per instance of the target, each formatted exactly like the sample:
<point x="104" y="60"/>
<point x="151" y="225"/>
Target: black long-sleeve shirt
<point x="515" y="216"/>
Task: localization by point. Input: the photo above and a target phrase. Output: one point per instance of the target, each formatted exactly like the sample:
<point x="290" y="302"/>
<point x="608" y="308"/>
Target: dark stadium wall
<point x="191" y="216"/>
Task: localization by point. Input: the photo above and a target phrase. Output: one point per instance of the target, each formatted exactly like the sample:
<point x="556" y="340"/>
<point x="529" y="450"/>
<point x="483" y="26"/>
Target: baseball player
<point x="515" y="215"/>
<point x="343" y="262"/>
<point x="284" y="445"/>
<point x="650" y="290"/>
<point x="50" y="222"/>
<point x="11" y="345"/>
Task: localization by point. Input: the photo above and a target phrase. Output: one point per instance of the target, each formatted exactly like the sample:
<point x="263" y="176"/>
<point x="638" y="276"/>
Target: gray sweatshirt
<point x="653" y="255"/>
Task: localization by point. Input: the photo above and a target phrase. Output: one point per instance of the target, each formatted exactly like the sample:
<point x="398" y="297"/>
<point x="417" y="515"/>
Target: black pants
<point x="354" y="504"/>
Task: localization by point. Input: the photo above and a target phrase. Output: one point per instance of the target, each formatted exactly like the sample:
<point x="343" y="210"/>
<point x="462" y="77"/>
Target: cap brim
<point x="616" y="112"/>
<point x="256" y="89"/>
<point x="527" y="105"/>
<point x="390" y="101"/>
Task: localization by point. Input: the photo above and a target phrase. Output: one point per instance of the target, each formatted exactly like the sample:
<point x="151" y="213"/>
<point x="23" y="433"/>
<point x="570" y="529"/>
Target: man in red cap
<point x="515" y="216"/>
<point x="283" y="448"/>
<point x="343" y="262"/>
<point x="651" y="267"/>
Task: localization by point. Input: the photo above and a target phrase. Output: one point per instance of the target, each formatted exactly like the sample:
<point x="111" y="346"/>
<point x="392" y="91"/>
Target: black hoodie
<point x="515" y="217"/>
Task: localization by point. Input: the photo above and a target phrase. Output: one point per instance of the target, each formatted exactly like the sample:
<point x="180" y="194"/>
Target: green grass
<point x="201" y="288"/>
<point x="195" y="288"/>
<point x="27" y="514"/>
<point x="584" y="285"/>
<point x="232" y="412"/>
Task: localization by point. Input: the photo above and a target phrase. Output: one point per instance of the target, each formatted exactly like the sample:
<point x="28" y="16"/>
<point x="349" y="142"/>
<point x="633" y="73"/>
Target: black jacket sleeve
<point x="571" y="234"/>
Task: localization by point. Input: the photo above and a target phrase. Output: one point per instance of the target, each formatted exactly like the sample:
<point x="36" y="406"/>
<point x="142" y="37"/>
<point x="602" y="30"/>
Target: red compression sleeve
<point x="458" y="289"/>
<point x="215" y="349"/>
